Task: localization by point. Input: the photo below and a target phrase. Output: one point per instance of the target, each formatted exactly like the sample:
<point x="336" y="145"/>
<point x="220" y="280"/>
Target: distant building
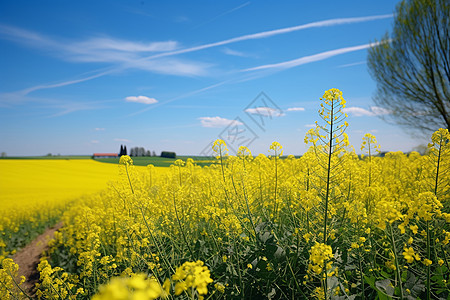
<point x="104" y="155"/>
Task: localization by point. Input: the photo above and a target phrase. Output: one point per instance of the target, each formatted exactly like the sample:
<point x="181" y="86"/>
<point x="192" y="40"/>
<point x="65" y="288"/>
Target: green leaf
<point x="384" y="288"/>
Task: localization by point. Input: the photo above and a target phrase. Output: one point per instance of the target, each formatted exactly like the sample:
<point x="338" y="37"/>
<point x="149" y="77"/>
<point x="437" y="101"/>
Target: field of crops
<point x="34" y="193"/>
<point x="327" y="225"/>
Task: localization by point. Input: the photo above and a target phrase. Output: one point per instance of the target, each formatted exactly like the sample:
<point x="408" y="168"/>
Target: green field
<point x="160" y="161"/>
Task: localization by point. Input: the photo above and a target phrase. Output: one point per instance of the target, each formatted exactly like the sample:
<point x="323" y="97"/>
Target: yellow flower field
<point x="53" y="180"/>
<point x="328" y="225"/>
<point x="35" y="192"/>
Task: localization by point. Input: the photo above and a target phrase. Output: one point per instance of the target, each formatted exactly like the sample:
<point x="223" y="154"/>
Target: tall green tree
<point x="412" y="66"/>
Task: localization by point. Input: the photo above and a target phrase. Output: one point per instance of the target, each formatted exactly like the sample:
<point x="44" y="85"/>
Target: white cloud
<point x="121" y="54"/>
<point x="265" y="111"/>
<point x="296" y="109"/>
<point x="310" y="125"/>
<point x="141" y="99"/>
<point x="311" y="58"/>
<point x="102" y="43"/>
<point x="95" y="142"/>
<point x="357" y="111"/>
<point x="99" y="129"/>
<point x="125" y="53"/>
<point x="234" y="52"/>
<point x="266" y="34"/>
<point x="353" y="64"/>
<point x="379" y="110"/>
<point x="122" y="140"/>
<point x="217" y="122"/>
<point x="111" y="44"/>
<point x="360" y="112"/>
<point x="171" y="66"/>
<point x="222" y="14"/>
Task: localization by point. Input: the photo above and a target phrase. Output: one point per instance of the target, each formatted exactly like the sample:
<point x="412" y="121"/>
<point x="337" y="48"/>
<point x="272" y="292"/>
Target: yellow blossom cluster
<point x="321" y="255"/>
<point x="137" y="287"/>
<point x="192" y="275"/>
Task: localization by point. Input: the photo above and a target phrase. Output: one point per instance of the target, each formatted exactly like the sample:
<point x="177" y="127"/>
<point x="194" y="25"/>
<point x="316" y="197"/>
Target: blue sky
<point x="79" y="77"/>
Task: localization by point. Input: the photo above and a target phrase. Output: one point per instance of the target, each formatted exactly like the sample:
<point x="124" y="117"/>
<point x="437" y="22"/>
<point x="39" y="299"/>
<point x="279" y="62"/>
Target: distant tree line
<point x="136" y="151"/>
<point x="168" y="154"/>
<point x="123" y="150"/>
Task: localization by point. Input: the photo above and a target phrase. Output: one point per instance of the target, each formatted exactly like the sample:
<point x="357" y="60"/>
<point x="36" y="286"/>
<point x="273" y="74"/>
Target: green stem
<point x="328" y="175"/>
<point x="163" y="257"/>
<point x="250" y="217"/>
<point x="276" y="187"/>
<point x="362" y="278"/>
<point x="396" y="262"/>
<point x="437" y="168"/>
<point x="129" y="180"/>
<point x="181" y="227"/>
<point x="9" y="291"/>
<point x="428" y="267"/>
<point x="15" y="283"/>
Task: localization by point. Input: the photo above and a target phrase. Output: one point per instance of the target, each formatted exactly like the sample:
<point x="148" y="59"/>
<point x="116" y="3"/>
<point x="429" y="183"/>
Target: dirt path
<point x="28" y="258"/>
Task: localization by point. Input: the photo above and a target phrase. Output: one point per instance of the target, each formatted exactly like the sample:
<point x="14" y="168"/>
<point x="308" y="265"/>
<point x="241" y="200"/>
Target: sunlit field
<point x="328" y="225"/>
<point x="34" y="193"/>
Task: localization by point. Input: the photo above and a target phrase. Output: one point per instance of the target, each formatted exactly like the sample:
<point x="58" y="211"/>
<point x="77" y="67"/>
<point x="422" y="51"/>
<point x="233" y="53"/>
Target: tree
<point x="125" y="150"/>
<point x="168" y="154"/>
<point x="121" y="150"/>
<point x="412" y="67"/>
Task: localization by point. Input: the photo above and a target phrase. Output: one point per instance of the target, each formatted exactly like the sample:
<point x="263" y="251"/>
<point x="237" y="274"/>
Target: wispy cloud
<point x="310" y="125"/>
<point x="122" y="140"/>
<point x="309" y="59"/>
<point x="106" y="43"/>
<point x="141" y="99"/>
<point x="95" y="142"/>
<point x="265" y="111"/>
<point x="361" y="112"/>
<point x="253" y="75"/>
<point x="217" y="122"/>
<point x="119" y="53"/>
<point x="127" y="54"/>
<point x="270" y="33"/>
<point x="232" y="52"/>
<point x="67" y="107"/>
<point x="223" y="14"/>
<point x="99" y="129"/>
<point x="353" y="64"/>
<point x="87" y="47"/>
<point x="59" y="84"/>
<point x="52" y="107"/>
<point x="295" y="109"/>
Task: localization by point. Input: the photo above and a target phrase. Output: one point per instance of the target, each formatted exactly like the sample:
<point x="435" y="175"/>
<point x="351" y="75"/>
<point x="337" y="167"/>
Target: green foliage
<point x="168" y="154"/>
<point x="412" y="65"/>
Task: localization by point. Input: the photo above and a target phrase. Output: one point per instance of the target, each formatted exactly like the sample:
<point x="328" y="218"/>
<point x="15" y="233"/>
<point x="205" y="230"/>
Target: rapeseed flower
<point x="192" y="275"/>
